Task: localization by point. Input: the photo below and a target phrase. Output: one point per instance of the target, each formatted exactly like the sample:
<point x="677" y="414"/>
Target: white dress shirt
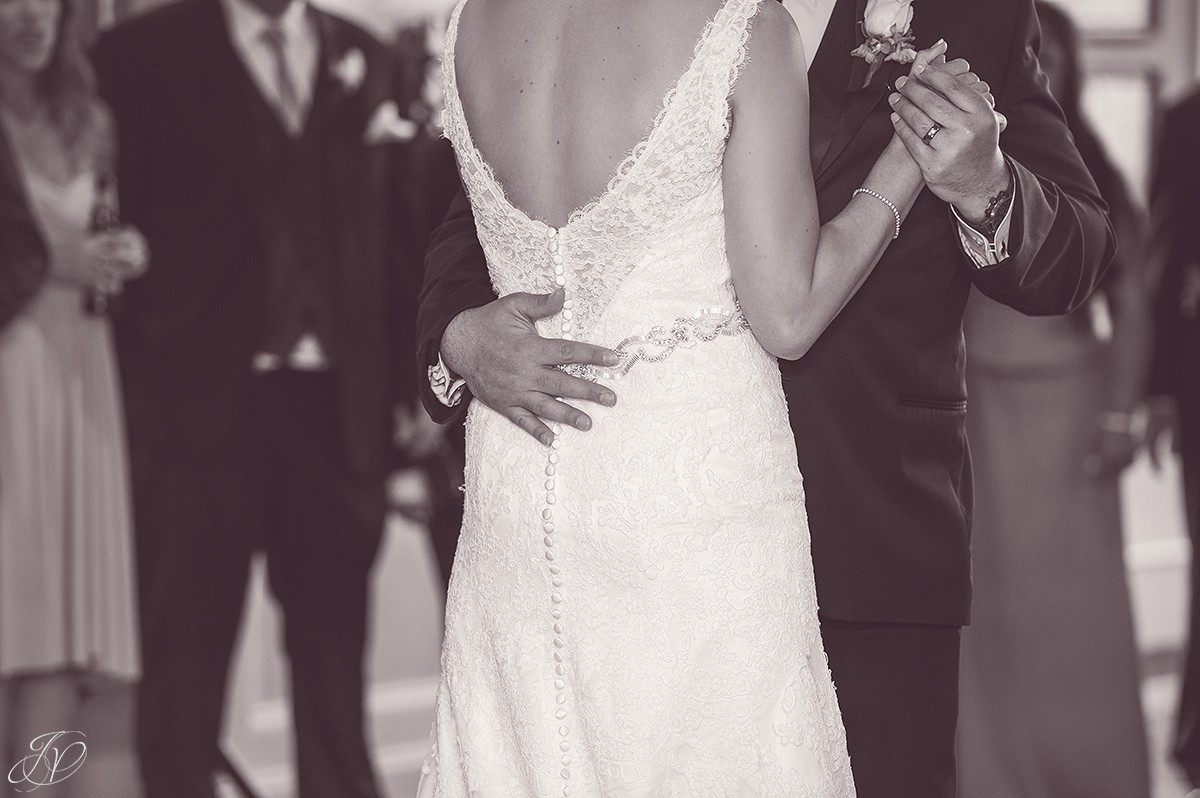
<point x="301" y="48"/>
<point x="248" y="27"/>
<point x="812" y="18"/>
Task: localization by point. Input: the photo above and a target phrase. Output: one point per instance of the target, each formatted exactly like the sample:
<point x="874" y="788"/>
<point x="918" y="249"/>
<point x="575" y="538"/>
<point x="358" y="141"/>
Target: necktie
<point x="288" y="100"/>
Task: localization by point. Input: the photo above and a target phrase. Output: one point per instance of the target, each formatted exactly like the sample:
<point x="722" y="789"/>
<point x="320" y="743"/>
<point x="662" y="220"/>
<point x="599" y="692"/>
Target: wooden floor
<point x="1159" y="694"/>
<point x="111" y="750"/>
<point x="1156" y="553"/>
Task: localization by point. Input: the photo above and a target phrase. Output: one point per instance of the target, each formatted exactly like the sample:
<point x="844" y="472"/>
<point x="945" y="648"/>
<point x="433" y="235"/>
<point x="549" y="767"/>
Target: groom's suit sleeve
<point x="456" y="279"/>
<point x="1060" y="241"/>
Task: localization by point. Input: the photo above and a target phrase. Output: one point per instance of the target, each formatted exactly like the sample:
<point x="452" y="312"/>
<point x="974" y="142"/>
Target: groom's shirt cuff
<point x="982" y="250"/>
<point x="445" y="385"/>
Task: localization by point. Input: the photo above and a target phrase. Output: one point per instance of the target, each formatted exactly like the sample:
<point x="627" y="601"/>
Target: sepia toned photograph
<point x="599" y="398"/>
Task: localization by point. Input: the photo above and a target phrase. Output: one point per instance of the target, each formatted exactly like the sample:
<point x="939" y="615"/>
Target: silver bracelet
<point x="885" y="201"/>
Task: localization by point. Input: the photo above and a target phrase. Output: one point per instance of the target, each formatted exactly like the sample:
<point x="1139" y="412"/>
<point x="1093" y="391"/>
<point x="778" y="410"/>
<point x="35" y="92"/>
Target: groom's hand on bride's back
<point x="513" y="370"/>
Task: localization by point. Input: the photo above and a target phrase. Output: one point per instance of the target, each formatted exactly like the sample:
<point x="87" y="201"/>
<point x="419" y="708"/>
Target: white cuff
<point x="981" y="250"/>
<point x="446" y="387"/>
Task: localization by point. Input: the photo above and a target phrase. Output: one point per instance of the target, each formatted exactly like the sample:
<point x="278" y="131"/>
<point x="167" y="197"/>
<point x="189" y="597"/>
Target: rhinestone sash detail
<point x="660" y="342"/>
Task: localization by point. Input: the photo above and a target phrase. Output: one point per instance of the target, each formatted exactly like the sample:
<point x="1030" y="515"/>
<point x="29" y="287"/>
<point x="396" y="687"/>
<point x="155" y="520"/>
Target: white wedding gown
<point x="633" y="612"/>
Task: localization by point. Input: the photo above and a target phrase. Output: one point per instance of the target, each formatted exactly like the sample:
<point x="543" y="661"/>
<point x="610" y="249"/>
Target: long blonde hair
<point x="68" y="87"/>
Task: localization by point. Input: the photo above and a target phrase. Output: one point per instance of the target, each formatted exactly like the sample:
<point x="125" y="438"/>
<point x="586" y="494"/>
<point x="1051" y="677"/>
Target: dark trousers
<point x="280" y="486"/>
<point x="1187" y="733"/>
<point x="897" y="686"/>
<point x="445" y="475"/>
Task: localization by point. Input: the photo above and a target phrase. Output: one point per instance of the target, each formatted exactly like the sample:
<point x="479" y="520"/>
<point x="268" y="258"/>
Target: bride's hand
<point x="896" y="153"/>
<point x="928" y="57"/>
<point x="934" y="58"/>
<point x="960" y="68"/>
<point x="964" y="165"/>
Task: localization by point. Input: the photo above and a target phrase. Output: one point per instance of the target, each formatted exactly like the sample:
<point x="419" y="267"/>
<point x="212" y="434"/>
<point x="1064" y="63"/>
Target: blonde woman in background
<point x="68" y="646"/>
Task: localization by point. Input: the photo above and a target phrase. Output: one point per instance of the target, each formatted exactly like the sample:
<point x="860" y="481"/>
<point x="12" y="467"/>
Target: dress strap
<point x="449" y="77"/>
<point x="728" y="41"/>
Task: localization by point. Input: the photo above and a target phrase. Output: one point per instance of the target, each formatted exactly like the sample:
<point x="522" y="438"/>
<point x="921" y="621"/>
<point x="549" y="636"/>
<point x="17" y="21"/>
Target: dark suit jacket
<point x="191" y="326"/>
<point x="878" y="403"/>
<point x="23" y="258"/>
<point x="1176" y="202"/>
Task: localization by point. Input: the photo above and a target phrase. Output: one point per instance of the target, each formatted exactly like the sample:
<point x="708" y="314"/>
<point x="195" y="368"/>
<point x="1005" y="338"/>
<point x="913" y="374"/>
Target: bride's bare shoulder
<point x="775" y="38"/>
<point x="774" y="32"/>
<point x="775" y="53"/>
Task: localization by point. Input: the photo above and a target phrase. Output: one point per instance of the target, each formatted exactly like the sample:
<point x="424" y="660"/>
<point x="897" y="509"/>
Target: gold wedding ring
<point x="934" y="129"/>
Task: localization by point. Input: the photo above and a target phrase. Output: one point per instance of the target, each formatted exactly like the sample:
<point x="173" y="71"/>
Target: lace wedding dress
<point x="632" y="612"/>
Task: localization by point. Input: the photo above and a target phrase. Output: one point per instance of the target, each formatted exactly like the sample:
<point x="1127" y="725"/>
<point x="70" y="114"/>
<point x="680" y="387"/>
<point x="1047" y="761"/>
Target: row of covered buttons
<point x="554" y="246"/>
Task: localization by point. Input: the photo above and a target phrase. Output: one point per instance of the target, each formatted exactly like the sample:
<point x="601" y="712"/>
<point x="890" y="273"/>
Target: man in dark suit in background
<point x="260" y="361"/>
<point x="1175" y="371"/>
<point x="879" y="401"/>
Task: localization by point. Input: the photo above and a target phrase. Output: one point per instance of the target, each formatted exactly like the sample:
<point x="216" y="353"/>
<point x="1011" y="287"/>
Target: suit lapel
<point x="326" y="90"/>
<point x="323" y="120"/>
<point x="845" y="75"/>
<point x="226" y="70"/>
<point x="334" y="119"/>
<point x="238" y="111"/>
<point x="828" y="77"/>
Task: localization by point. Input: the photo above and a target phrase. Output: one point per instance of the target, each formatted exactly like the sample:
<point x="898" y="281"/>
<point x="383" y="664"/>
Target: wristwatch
<point x="998" y="207"/>
<point x="986" y="243"/>
<point x="446" y="386"/>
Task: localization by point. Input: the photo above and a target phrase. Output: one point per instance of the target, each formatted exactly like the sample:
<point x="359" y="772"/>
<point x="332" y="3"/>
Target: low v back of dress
<point x="632" y="612"/>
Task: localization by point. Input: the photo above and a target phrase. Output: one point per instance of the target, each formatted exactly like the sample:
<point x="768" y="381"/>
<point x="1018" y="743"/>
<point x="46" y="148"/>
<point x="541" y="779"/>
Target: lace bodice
<point x="632" y="612"/>
<point x="666" y="190"/>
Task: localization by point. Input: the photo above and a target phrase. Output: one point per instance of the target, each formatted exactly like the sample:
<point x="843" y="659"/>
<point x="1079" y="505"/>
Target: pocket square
<point x="388" y="127"/>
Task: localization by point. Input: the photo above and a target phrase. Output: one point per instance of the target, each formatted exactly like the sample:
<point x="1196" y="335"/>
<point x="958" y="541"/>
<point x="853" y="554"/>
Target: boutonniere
<point x="350" y="70"/>
<point x="887" y="28"/>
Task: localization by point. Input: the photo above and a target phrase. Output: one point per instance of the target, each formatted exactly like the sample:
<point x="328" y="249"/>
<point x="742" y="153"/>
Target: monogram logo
<point x="55" y="758"/>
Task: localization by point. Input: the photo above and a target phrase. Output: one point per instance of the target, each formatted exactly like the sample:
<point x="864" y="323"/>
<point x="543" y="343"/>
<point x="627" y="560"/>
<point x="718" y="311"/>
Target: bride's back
<point x="556" y="94"/>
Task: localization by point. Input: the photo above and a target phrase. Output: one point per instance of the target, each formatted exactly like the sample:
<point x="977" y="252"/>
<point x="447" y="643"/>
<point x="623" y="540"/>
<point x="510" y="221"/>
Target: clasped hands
<point x="946" y="116"/>
<point x="104" y="261"/>
<point x="513" y="370"/>
<point x="115" y="257"/>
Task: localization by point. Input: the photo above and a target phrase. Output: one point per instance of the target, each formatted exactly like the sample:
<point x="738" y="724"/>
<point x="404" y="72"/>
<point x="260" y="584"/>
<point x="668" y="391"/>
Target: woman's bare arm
<point x="792" y="275"/>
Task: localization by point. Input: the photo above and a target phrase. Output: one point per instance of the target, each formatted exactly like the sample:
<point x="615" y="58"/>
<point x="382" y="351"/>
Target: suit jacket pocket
<point x="948" y="405"/>
<point x="933" y="458"/>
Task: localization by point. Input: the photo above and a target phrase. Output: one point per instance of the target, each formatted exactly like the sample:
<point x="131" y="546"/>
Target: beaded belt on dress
<point x="658" y="344"/>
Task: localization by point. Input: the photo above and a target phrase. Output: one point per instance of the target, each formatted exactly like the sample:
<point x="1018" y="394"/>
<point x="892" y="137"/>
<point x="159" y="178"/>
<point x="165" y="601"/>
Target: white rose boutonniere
<point x="887" y="27"/>
<point x="351" y="69"/>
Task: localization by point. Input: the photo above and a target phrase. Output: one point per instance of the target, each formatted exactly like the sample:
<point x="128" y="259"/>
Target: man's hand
<point x="511" y="369"/>
<point x="961" y="163"/>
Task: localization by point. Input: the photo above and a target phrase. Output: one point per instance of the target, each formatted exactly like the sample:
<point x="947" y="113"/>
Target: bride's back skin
<point x="557" y="93"/>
